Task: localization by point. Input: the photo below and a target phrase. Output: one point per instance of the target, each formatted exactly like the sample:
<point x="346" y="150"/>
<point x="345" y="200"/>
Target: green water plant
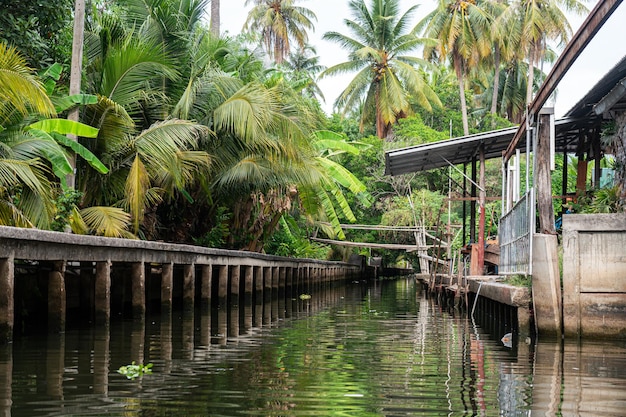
<point x="134" y="370"/>
<point x="519" y="280"/>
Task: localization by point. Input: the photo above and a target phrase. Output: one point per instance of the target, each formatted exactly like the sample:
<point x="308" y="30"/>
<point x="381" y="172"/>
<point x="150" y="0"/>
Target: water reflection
<point x="383" y="350"/>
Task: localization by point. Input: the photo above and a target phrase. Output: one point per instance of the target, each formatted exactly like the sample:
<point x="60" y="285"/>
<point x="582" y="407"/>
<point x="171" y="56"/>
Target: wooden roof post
<point x="543" y="177"/>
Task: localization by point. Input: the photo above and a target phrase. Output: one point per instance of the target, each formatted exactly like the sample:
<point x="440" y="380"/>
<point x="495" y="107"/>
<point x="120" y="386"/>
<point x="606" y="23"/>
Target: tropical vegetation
<point x="186" y="135"/>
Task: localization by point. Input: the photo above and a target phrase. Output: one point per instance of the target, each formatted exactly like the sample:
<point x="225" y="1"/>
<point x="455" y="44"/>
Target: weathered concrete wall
<point x="510" y="295"/>
<point x="594" y="275"/>
<point x="546" y="285"/>
<point x="87" y="255"/>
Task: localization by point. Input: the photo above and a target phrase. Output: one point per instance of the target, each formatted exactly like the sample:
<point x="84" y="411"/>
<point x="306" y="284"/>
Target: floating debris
<point x="507" y="340"/>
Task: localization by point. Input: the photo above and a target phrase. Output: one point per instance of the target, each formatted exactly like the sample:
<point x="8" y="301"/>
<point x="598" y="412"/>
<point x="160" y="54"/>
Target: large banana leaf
<point x="341" y="175"/>
<point x="65" y="127"/>
<point x="56" y="129"/>
<point x="62" y="104"/>
<point x="50" y="77"/>
<point x="83" y="152"/>
<point x="53" y="153"/>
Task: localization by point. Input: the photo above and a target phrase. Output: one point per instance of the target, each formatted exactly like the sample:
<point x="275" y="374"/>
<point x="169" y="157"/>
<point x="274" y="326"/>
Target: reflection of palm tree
<point x="387" y="78"/>
<point x="463" y="31"/>
<point x="279" y="22"/>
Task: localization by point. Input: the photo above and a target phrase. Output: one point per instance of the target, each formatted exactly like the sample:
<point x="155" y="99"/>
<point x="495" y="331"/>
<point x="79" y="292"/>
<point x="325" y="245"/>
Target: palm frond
<point x="21" y="90"/>
<point x="107" y="221"/>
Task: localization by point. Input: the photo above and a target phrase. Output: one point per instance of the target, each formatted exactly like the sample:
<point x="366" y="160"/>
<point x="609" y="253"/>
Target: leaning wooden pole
<point x="477" y="265"/>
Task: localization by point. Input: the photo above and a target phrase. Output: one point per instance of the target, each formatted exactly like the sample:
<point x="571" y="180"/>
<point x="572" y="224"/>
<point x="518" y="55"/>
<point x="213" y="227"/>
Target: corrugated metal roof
<point x="608" y="94"/>
<point x="464" y="149"/>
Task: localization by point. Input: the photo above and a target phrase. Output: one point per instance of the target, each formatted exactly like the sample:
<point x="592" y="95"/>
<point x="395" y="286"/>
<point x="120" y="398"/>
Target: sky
<point x="602" y="53"/>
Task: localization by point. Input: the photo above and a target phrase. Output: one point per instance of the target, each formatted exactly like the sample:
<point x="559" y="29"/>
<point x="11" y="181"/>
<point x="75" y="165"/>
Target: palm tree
<point x="502" y="50"/>
<point x="462" y="28"/>
<point x="280" y="23"/>
<point x="26" y="198"/>
<point x="263" y="156"/>
<point x="387" y="76"/>
<point x="306" y="68"/>
<point x="215" y="18"/>
<point x="532" y="24"/>
<point x="151" y="155"/>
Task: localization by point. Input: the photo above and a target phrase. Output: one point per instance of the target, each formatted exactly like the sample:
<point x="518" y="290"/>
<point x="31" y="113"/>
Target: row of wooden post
<point x="258" y="278"/>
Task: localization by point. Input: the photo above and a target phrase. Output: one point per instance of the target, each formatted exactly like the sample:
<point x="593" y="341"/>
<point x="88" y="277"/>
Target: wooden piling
<point x="222" y="284"/>
<point x="248" y="283"/>
<point x="138" y="289"/>
<point x="189" y="289"/>
<point x="7" y="289"/>
<point x="207" y="285"/>
<point x="57" y="303"/>
<point x="235" y="275"/>
<point x="167" y="285"/>
<point x="103" y="293"/>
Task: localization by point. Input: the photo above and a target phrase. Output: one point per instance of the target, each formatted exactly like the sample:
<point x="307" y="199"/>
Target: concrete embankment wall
<point x="495" y="301"/>
<point x="594" y="275"/>
<point x="197" y="273"/>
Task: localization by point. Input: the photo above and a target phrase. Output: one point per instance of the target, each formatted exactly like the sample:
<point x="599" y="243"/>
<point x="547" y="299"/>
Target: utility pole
<point x="75" y="75"/>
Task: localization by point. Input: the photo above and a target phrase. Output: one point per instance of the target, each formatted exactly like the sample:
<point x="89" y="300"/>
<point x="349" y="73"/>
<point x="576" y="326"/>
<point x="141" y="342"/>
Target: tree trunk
<point x="215" y="18"/>
<point x="531" y="76"/>
<point x="75" y="75"/>
<point x="380" y="124"/>
<point x="619" y="149"/>
<point x="496" y="81"/>
<point x="459" y="74"/>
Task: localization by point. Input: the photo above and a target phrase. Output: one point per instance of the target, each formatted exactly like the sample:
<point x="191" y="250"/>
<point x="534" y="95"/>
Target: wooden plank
<point x="391" y="246"/>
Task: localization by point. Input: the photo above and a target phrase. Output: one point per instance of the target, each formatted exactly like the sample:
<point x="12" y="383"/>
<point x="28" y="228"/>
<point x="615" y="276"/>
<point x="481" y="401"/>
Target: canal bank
<point x="94" y="275"/>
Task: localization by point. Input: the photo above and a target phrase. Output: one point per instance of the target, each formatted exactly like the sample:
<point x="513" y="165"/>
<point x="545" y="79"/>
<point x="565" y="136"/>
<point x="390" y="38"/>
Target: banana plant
<point x="54" y="144"/>
<point x="334" y="179"/>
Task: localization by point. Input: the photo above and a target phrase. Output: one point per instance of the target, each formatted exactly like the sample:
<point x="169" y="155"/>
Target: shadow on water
<point x="383" y="349"/>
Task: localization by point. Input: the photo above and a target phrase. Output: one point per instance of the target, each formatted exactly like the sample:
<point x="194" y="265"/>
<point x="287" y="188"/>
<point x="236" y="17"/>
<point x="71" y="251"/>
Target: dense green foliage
<point x="187" y="137"/>
<point x="40" y="30"/>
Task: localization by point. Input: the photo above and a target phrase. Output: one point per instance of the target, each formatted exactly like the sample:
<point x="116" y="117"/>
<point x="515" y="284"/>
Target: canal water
<point x="383" y="349"/>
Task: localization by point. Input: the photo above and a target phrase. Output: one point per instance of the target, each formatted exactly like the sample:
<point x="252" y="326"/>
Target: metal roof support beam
<point x="614" y="96"/>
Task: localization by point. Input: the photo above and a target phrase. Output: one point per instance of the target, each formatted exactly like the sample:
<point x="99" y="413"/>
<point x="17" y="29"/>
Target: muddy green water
<point x="355" y="350"/>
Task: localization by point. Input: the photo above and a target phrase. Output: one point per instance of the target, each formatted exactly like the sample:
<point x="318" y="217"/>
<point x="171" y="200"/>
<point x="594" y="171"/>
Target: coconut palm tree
<point x="26" y="197"/>
<point x="462" y="29"/>
<point x="280" y="23"/>
<point x="306" y="67"/>
<point x="388" y="76"/>
<point x="152" y="156"/>
<point x="533" y="24"/>
<point x="215" y="18"/>
<point x="33" y="146"/>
